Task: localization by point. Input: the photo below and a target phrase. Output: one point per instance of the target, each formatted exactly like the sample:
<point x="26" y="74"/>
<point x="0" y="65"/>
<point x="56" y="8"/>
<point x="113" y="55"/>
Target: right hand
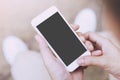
<point x="109" y="55"/>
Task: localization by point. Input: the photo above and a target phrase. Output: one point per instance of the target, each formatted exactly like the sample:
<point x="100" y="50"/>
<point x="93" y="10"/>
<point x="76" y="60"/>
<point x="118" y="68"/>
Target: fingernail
<point x="74" y="25"/>
<point x="91" y="47"/>
<point x="87" y="45"/>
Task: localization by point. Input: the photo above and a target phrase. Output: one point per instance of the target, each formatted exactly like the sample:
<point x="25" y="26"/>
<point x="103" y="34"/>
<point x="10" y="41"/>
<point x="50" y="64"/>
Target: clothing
<point x="29" y="66"/>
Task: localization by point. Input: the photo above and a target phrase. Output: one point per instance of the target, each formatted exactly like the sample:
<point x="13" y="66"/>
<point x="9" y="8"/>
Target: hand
<point x="55" y="68"/>
<point x="105" y="55"/>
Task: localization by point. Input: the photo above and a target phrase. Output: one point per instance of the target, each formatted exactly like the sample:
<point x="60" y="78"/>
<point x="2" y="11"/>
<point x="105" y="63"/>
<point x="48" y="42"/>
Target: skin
<point x="103" y="54"/>
<point x="55" y="68"/>
<point x="109" y="54"/>
<point x="106" y="54"/>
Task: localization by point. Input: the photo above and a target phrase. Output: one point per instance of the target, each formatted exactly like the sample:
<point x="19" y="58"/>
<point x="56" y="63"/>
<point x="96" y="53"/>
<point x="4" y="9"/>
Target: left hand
<point x="55" y="68"/>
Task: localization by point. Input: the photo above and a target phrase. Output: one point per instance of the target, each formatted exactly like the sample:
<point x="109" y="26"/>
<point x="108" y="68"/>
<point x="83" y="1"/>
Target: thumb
<point x="90" y="61"/>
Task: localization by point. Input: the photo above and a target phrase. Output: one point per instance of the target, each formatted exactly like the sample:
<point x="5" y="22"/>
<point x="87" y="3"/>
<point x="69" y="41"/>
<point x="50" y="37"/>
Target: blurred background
<point x="16" y="16"/>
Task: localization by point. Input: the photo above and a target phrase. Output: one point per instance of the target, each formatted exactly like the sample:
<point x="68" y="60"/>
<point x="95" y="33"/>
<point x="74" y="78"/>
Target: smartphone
<point x="60" y="37"/>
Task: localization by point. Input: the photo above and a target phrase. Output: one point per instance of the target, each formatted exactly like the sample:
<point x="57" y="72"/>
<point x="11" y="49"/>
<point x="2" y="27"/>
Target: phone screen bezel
<point x="41" y="18"/>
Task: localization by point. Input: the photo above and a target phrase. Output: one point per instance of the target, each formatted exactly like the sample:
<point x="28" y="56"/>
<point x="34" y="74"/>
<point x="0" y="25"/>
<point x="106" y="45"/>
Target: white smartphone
<point x="60" y="37"/>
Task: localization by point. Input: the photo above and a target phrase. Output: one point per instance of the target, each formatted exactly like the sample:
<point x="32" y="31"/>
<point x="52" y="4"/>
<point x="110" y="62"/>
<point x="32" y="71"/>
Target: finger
<point x="45" y="51"/>
<point x="75" y="27"/>
<point x="91" y="61"/>
<point x="78" y="74"/>
<point x="97" y="53"/>
<point x="95" y="38"/>
<point x="81" y="37"/>
<point x="89" y="45"/>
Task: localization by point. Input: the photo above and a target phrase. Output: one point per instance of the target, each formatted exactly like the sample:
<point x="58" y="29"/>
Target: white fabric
<point x="86" y="19"/>
<point x="11" y="47"/>
<point x="29" y="66"/>
<point x="25" y="64"/>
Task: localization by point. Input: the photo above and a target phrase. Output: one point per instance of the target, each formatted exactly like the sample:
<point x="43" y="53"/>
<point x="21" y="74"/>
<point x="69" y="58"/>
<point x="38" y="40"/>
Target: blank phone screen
<point x="61" y="38"/>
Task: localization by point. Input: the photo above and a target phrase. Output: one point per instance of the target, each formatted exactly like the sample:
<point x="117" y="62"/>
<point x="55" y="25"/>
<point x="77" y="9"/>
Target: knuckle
<point x="87" y="61"/>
